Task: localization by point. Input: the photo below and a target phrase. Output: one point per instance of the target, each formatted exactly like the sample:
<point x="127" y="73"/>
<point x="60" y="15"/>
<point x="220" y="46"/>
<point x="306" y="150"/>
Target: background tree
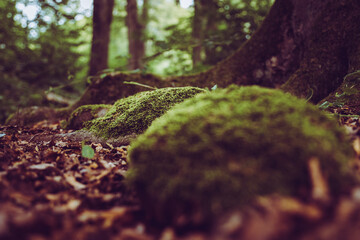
<point x="198" y="31"/>
<point x="230" y="24"/>
<point x="53" y="48"/>
<point x="300" y="47"/>
<point x="102" y="18"/>
<point x="37" y="51"/>
<point x="136" y="33"/>
<point x="210" y="35"/>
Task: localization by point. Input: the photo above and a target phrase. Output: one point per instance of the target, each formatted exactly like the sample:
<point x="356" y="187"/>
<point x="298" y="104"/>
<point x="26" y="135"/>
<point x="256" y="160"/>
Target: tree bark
<point x="102" y="18"/>
<point x="267" y="59"/>
<point x="135" y="34"/>
<point x="305" y="47"/>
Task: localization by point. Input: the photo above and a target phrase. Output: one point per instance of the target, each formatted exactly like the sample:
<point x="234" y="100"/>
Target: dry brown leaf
<point x="320" y="187"/>
<point x="356" y="145"/>
<point x="72" y="181"/>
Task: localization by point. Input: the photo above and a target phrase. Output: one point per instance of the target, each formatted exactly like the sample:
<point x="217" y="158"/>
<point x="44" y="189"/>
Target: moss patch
<point x="219" y="150"/>
<point x="134" y="114"/>
<point x="346" y="99"/>
<point x="86" y="113"/>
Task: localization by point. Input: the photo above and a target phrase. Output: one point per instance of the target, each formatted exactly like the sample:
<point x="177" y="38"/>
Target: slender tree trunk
<point x="212" y="20"/>
<point x="177" y="2"/>
<point x="145" y="13"/>
<point x="144" y="21"/>
<point x="102" y="17"/>
<point x="203" y="21"/>
<point x="135" y="34"/>
<point x="197" y="33"/>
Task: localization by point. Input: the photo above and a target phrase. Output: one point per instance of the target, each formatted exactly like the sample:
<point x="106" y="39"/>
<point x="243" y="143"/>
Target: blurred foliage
<point x="168" y="34"/>
<point x="49" y="49"/>
<point x="39" y="49"/>
<point x="233" y="23"/>
<point x="230" y="24"/>
<point x="118" y="46"/>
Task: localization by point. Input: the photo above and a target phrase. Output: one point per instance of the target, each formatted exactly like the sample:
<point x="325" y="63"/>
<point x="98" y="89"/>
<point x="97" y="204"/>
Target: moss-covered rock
<point x="134" y="114"/>
<point x="85" y="113"/>
<point x="221" y="149"/>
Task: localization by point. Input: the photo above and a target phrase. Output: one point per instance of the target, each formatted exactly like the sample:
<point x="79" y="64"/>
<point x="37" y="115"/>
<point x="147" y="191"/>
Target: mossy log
<point x="304" y="47"/>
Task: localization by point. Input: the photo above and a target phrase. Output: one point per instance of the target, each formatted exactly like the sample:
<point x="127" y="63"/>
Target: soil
<point x="48" y="190"/>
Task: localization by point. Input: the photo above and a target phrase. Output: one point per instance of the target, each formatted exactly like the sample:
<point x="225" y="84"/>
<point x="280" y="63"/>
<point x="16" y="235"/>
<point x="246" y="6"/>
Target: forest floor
<point x="48" y="190"/>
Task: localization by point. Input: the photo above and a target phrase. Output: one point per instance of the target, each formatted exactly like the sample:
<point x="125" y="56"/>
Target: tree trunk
<point x="102" y="17"/>
<point x="177" y="2"/>
<point x="144" y="19"/>
<point x="212" y="20"/>
<point x="305" y="47"/>
<point x="268" y="58"/>
<point x="198" y="32"/>
<point x="135" y="35"/>
<point x="145" y="14"/>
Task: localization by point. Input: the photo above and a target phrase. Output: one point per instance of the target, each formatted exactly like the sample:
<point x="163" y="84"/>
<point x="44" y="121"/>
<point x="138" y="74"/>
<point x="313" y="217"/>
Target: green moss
<point x="219" y="150"/>
<point x="135" y="113"/>
<point x="85" y="113"/>
<point x="346" y="99"/>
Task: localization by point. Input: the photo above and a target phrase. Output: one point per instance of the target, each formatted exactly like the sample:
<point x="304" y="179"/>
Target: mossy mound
<point x="134" y="114"/>
<point x="219" y="150"/>
<point x="85" y="113"/>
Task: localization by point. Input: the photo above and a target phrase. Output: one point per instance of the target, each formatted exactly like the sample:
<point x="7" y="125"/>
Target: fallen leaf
<point x="87" y="151"/>
<point x="72" y="181"/>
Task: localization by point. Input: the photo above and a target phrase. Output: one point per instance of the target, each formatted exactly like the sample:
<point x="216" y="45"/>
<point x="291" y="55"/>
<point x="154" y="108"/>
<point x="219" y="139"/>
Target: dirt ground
<point x="48" y="190"/>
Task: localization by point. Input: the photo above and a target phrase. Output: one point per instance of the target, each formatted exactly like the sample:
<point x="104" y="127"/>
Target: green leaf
<point x="87" y="151"/>
<point x="214" y="87"/>
<point x="339" y="94"/>
<point x="324" y="105"/>
<point x="103" y="75"/>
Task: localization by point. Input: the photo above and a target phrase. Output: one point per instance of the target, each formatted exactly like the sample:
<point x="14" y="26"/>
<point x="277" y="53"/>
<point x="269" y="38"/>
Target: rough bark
<point x="135" y="35"/>
<point x="102" y="17"/>
<point x="305" y="47"/>
<point x="267" y="59"/>
<point x="324" y="30"/>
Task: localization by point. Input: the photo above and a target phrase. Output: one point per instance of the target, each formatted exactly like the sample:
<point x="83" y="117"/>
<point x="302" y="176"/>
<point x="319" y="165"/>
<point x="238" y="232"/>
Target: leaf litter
<point x="51" y="189"/>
